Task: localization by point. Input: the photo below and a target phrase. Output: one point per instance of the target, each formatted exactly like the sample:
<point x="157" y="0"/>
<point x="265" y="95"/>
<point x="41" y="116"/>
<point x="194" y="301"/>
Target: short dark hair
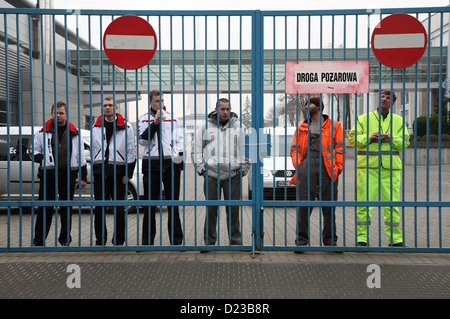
<point x="391" y="94"/>
<point x="316" y="101"/>
<point x="58" y="105"/>
<point x="223" y="100"/>
<point x="154" y="93"/>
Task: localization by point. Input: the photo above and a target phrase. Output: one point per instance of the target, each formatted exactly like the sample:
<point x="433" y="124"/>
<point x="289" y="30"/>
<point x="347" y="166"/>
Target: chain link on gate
<point x="203" y="149"/>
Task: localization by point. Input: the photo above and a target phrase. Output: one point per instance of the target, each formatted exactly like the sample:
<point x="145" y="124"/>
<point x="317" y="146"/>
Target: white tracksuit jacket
<point x="44" y="139"/>
<point x="124" y="141"/>
<point x="172" y="138"/>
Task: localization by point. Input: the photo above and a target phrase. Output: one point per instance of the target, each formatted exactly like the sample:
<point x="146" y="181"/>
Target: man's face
<point x="61" y="115"/>
<point x="313" y="109"/>
<point x="385" y="103"/>
<point x="108" y="108"/>
<point x="223" y="111"/>
<point x="156" y="102"/>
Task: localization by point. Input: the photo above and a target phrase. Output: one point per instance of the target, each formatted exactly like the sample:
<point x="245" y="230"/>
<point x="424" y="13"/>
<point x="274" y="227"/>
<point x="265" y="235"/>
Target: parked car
<point x="277" y="167"/>
<point x="21" y="168"/>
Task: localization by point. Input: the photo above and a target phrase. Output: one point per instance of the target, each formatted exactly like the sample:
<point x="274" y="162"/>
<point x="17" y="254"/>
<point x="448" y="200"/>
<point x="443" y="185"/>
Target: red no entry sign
<point x="399" y="41"/>
<point x="129" y="42"/>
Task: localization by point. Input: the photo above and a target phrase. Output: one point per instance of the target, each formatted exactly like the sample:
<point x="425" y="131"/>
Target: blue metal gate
<point x="204" y="59"/>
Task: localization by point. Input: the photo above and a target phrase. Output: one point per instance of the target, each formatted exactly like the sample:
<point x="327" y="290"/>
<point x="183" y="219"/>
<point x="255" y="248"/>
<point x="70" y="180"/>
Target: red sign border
<point x="130" y="59"/>
<point x="389" y="57"/>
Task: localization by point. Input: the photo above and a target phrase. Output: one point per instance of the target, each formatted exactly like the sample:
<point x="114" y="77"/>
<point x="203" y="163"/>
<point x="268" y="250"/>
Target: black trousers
<point x="107" y="183"/>
<point x="65" y="212"/>
<point x="329" y="236"/>
<point x="173" y="220"/>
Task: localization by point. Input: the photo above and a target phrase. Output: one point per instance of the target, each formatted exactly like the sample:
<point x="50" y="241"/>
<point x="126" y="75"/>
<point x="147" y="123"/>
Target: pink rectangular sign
<point x="327" y="77"/>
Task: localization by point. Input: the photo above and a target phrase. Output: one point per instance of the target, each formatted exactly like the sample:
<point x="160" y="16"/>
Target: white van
<point x="21" y="169"/>
<point x="16" y="167"/>
<point x="277" y="167"/>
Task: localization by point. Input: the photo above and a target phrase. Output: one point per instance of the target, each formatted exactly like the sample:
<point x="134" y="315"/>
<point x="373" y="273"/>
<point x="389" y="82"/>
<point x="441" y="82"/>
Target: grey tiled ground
<point x="223" y="275"/>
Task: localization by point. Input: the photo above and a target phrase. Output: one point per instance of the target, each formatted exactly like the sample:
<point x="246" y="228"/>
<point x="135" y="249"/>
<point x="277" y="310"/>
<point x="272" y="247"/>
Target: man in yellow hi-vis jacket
<point x="375" y="133"/>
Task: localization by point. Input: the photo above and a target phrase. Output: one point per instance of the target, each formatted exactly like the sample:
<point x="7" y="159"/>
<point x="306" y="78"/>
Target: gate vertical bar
<point x="81" y="143"/>
<point x="258" y="120"/>
<point x="20" y="144"/>
<point x="8" y="241"/>
<point x="32" y="127"/>
<point x="440" y="129"/>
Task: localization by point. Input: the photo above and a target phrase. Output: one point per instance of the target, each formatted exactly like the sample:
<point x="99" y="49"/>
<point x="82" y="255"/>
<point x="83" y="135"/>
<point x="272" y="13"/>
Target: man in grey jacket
<point x="219" y="156"/>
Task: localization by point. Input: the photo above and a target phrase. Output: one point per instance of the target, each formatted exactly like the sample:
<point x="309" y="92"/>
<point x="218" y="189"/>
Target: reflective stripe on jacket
<point x="332" y="147"/>
<point x="171" y="139"/>
<point x="369" y="124"/>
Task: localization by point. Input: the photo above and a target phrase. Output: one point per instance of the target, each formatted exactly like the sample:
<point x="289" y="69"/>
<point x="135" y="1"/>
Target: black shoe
<point x="37" y="242"/>
<point x="362" y="244"/>
<point x="63" y="242"/>
<point x="179" y="243"/>
<point x="204" y="251"/>
<point x="397" y="245"/>
<point x="333" y="251"/>
<point x="299" y="245"/>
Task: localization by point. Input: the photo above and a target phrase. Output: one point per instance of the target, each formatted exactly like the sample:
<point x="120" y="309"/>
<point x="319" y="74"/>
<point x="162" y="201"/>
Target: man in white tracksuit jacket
<point x="219" y="156"/>
<point x="114" y="159"/>
<point x="160" y="133"/>
<point x="60" y="151"/>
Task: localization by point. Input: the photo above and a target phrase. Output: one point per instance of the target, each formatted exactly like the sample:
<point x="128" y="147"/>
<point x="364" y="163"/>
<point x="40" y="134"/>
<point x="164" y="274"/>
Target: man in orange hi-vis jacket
<point x="318" y="154"/>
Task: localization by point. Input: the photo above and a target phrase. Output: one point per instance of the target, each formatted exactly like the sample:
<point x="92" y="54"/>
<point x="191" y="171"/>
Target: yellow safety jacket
<point x="364" y="129"/>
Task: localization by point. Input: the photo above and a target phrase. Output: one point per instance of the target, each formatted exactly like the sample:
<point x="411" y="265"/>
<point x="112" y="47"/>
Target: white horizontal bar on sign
<point x="399" y="41"/>
<point x="130" y="42"/>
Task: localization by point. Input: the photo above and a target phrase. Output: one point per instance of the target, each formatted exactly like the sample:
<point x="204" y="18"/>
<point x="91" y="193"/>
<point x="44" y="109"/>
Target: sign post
<point x="399" y="41"/>
<point x="129" y="42"/>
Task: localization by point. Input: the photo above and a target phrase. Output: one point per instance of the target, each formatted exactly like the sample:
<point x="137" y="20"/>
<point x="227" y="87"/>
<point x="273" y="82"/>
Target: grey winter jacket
<point x="220" y="149"/>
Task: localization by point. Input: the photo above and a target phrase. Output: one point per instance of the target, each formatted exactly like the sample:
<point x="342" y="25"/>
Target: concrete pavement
<point x="224" y="275"/>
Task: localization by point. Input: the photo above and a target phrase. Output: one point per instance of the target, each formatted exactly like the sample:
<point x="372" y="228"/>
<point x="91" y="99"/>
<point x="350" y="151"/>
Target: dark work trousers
<point x="101" y="233"/>
<point x="233" y="225"/>
<point x="173" y="220"/>
<point x="65" y="212"/>
<point x="329" y="236"/>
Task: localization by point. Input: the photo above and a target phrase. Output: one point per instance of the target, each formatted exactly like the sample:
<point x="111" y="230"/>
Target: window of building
<point x="13" y="113"/>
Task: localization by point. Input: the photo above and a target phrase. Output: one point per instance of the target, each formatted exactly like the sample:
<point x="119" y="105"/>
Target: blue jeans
<point x="229" y="193"/>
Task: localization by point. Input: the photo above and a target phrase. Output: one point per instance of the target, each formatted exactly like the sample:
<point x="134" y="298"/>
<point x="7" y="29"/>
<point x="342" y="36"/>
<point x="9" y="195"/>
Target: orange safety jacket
<point x="333" y="151"/>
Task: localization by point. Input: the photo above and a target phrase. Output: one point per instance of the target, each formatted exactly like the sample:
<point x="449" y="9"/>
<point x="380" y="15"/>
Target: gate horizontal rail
<point x="270" y="203"/>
